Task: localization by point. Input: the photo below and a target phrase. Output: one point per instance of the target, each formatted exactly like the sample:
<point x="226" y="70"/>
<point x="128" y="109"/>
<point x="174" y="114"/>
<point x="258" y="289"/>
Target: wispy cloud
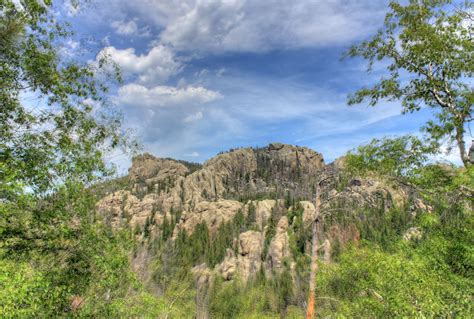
<point x="130" y="28"/>
<point x="211" y="75"/>
<point x="256" y="26"/>
<point x="193" y="117"/>
<point x="156" y="66"/>
<point x="135" y="95"/>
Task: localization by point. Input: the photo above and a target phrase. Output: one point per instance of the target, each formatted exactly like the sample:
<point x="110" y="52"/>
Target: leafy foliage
<point x="52" y="249"/>
<point x="429" y="50"/>
<point x="397" y="157"/>
<point x="65" y="132"/>
<point x="58" y="260"/>
<point x="429" y="278"/>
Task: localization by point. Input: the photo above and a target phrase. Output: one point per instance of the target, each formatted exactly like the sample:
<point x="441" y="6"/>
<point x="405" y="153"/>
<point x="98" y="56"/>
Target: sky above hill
<point x="206" y="76"/>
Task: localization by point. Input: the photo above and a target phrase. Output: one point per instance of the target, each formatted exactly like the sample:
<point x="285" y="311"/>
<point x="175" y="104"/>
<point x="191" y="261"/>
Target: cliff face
<point x="271" y="189"/>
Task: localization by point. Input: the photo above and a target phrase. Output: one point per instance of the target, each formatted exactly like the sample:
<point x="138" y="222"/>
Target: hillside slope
<point x="245" y="216"/>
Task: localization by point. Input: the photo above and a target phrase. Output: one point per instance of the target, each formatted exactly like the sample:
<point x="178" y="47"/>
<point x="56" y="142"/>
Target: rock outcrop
<point x="248" y="259"/>
<point x="211" y="213"/>
<point x="263" y="211"/>
<point x="261" y="180"/>
<point x="111" y="208"/>
<point x="279" y="248"/>
<point x="413" y="234"/>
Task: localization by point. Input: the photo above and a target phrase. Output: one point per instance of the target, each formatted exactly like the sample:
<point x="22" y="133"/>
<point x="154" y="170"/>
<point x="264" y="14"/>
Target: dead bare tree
<point x="311" y="309"/>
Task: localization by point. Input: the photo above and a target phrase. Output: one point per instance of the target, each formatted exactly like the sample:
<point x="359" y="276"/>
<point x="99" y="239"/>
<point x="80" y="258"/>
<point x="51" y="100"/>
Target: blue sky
<point x="206" y="76"/>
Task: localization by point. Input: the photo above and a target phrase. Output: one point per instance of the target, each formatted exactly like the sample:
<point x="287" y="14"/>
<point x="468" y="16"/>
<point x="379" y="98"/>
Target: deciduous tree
<point x="428" y="45"/>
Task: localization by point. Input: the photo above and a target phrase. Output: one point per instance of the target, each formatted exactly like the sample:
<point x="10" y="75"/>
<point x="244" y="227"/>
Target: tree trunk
<point x="462" y="145"/>
<point x="311" y="311"/>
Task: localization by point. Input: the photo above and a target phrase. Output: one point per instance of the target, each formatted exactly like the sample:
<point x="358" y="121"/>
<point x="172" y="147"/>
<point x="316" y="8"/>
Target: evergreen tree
<point x="251" y="215"/>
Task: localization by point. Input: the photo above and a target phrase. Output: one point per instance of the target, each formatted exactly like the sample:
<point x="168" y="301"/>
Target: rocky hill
<point x="246" y="212"/>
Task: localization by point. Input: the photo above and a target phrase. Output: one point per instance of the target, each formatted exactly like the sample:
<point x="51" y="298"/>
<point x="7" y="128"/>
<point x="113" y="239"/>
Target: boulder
<point x="413" y="233"/>
<point x="228" y="267"/>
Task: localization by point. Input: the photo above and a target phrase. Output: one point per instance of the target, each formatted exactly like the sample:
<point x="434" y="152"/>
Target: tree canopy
<point x="428" y="45"/>
<point x="55" y="121"/>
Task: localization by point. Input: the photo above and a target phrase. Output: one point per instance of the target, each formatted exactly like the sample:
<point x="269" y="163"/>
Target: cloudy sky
<point x="205" y="76"/>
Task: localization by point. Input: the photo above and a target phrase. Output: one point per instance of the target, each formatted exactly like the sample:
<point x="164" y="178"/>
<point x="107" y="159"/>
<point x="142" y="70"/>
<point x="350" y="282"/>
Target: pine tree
<point x="251" y="215"/>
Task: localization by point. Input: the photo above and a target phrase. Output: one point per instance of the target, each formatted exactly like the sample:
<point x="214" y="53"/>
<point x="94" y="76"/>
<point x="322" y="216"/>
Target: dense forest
<point x="385" y="231"/>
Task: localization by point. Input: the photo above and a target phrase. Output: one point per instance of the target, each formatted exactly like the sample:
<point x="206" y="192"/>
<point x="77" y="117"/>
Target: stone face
<point x="212" y="213"/>
<point x="251" y="244"/>
<point x="228" y="267"/>
<point x="150" y="170"/>
<point x="248" y="260"/>
<point x="279" y="246"/>
<point x="297" y="156"/>
<point x="339" y="163"/>
<point x="160" y="188"/>
<point x="263" y="211"/>
<point x="309" y="212"/>
<point x="361" y="193"/>
<point x="139" y="210"/>
<point x="419" y="205"/>
<point x="111" y="208"/>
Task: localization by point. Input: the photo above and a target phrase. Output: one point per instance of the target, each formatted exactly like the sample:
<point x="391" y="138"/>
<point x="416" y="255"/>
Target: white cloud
<point x="164" y="96"/>
<point x="193" y="154"/>
<point x="253" y="26"/>
<point x="129" y="28"/>
<point x="72" y="7"/>
<point x="165" y="103"/>
<point x="125" y="28"/>
<point x="157" y="66"/>
<point x="193" y="117"/>
<point x="70" y="48"/>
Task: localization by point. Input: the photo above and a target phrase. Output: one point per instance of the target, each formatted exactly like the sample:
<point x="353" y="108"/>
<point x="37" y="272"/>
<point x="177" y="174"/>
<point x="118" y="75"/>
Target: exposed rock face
<point x="339" y="163"/>
<point x="419" y="205"/>
<point x="150" y="170"/>
<point x="248" y="260"/>
<point x="185" y="196"/>
<point x="111" y="208"/>
<point x="204" y="279"/>
<point x="263" y="211"/>
<point x="279" y="246"/>
<point x="139" y="210"/>
<point x="367" y="193"/>
<point x="212" y="213"/>
<point x="228" y="267"/>
<point x="295" y="156"/>
<point x="309" y="213"/>
<point x="123" y="209"/>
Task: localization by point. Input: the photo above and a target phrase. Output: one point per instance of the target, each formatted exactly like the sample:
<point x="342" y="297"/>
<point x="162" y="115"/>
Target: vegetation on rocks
<point x="231" y="238"/>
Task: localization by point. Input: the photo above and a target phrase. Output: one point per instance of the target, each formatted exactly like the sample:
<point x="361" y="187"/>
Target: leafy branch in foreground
<point x="397" y="157"/>
<point x="55" y="121"/>
<point x="55" y="126"/>
<point x="429" y="47"/>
